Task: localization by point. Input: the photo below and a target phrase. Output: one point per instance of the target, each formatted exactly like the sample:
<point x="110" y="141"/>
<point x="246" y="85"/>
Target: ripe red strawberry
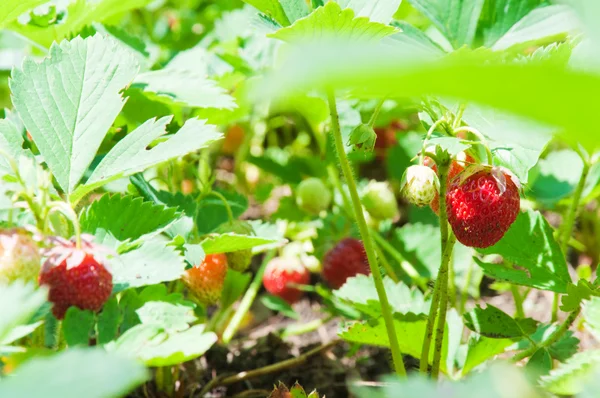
<point x="206" y="280"/>
<point x="76" y="277"/>
<point x="346" y="259"/>
<point x="281" y="272"/>
<point x="482" y="205"/>
<point x="456" y="167"/>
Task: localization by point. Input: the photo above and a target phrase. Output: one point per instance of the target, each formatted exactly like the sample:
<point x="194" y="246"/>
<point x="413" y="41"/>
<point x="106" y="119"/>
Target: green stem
<point x="441" y="322"/>
<point x="389" y="271"/>
<point x="247" y="301"/>
<point x="366" y="237"/>
<point x="427" y="137"/>
<point x="225" y="203"/>
<point x="459" y="116"/>
<point x="435" y="301"/>
<point x="553" y="338"/>
<point x="482" y="141"/>
<point x="569" y="223"/>
<point x="302" y="328"/>
<point x="68" y="212"/>
<point x="376" y="113"/>
<point x="518" y="301"/>
<point x="333" y="175"/>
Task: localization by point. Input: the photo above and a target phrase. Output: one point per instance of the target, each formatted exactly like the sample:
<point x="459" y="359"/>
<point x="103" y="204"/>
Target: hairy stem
<point x="366" y="237"/>
<point x="389" y="271"/>
<point x="391" y="250"/>
<point x="247" y="301"/>
<point x="553" y="338"/>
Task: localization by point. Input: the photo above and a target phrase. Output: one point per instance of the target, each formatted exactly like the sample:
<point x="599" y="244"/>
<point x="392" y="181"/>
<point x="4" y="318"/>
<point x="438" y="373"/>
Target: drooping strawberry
<point x="206" y="280"/>
<point x="280" y="273"/>
<point x="456" y="167"/>
<point x="19" y="257"/>
<point x="419" y="185"/>
<point x="76" y="276"/>
<point x="348" y="258"/>
<point x="482" y="203"/>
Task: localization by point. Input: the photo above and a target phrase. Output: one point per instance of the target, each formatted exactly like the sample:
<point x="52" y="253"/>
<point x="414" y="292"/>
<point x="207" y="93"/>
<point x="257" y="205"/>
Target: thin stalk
<point x="433" y="309"/>
<point x="391" y="250"/>
<point x="247" y="301"/>
<point x="389" y="271"/>
<point x="441" y="322"/>
<point x="482" y="141"/>
<point x="366" y="237"/>
<point x="302" y="328"/>
<point x="553" y="338"/>
<point x="569" y="223"/>
<point x="376" y="113"/>
<point x="334" y="177"/>
<point x="225" y="203"/>
<point x="427" y="137"/>
<point x="519" y="313"/>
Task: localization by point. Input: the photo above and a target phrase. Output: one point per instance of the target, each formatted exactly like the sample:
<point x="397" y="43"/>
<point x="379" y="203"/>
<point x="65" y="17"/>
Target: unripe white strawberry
<point x="19" y="257"/>
<point x="380" y="201"/>
<point x="419" y="185"/>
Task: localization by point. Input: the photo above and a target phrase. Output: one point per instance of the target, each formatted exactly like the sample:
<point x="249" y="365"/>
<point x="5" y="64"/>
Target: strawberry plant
<point x="368" y="199"/>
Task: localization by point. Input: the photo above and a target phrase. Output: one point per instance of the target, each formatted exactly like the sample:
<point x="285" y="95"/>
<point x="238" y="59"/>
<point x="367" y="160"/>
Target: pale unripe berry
<point x="313" y="196"/>
<point x="19" y="257"/>
<point x="419" y="185"/>
<point x="380" y="201"/>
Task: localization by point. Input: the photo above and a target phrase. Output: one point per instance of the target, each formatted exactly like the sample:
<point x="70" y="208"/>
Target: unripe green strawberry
<point x="19" y="257"/>
<point x="206" y="280"/>
<point x="238" y="260"/>
<point x="313" y="196"/>
<point x="380" y="201"/>
<point x="419" y="185"/>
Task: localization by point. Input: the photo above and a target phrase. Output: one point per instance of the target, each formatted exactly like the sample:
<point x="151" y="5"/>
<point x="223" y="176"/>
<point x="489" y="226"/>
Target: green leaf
<point x="231" y="242"/>
<point x="331" y="20"/>
<point x="12" y="9"/>
<point x="131" y="155"/>
<point x="361" y="293"/>
<point x="297" y="391"/>
<point x="173" y="317"/>
<point x="152" y="263"/>
<point x="79" y="372"/>
<point x="542" y="25"/>
<point x="294" y="9"/>
<point x="278" y="304"/>
<point x="69" y="100"/>
<point x="77" y="326"/>
<point x="584" y="290"/>
<point x="25" y="301"/>
<point x="413" y="38"/>
<point x="456" y="19"/>
<point x="11" y="142"/>
<point x="79" y="14"/>
<point x="558" y="175"/>
<point x="501" y="15"/>
<point x="494" y="323"/>
<point x="235" y="284"/>
<point x="211" y="211"/>
<point x="539" y="264"/>
<point x="591" y="314"/>
<point x="184" y="84"/>
<point x="152" y="345"/>
<point x="272" y="8"/>
<point x="540" y="363"/>
<point x="380" y="11"/>
<point x="108" y="321"/>
<point x="481" y="349"/>
<point x="569" y="378"/>
<point x="114" y="219"/>
<point x="560" y="350"/>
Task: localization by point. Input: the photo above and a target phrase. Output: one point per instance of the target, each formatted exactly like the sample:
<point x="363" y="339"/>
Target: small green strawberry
<point x="238" y="260"/>
<point x="419" y="185"/>
<point x="19" y="257"/>
<point x="380" y="201"/>
<point x="313" y="196"/>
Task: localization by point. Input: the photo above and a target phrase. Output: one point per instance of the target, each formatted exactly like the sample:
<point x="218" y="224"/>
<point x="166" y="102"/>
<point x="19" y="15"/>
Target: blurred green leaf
<point x="558" y="175"/>
<point x="108" y="321"/>
<point x="12" y="9"/>
<point x="79" y="372"/>
<point x="500" y="15"/>
<point x="272" y="8"/>
<point x="540" y="363"/>
<point x="231" y="242"/>
<point x="380" y="11"/>
<point x="211" y="212"/>
<point x="569" y="378"/>
<point x="77" y="326"/>
<point x="235" y="284"/>
<point x="494" y="323"/>
<point x="481" y="349"/>
<point x="279" y="305"/>
<point x="173" y="317"/>
<point x="294" y="9"/>
<point x="25" y="301"/>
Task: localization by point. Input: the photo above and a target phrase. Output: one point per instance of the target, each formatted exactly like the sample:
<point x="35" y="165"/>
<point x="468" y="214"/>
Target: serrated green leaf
<point x="584" y="290"/>
<point x="11" y="142"/>
<point x="79" y="14"/>
<point x="152" y="263"/>
<point x="560" y="350"/>
<point x="278" y="304"/>
<point x="360" y="291"/>
<point x="539" y="264"/>
<point x="69" y="100"/>
<point x="173" y="317"/>
<point x="540" y="363"/>
<point x="456" y="19"/>
<point x="544" y="24"/>
<point x="591" y="314"/>
<point x="77" y="326"/>
<point x="25" y="301"/>
<point x="231" y="242"/>
<point x="494" y="323"/>
<point x="150" y="344"/>
<point x="108" y="321"/>
<point x="331" y="20"/>
<point x="413" y="38"/>
<point x="500" y="15"/>
<point x="131" y="155"/>
<point x="297" y="391"/>
<point x="75" y="373"/>
<point x="114" y="219"/>
<point x="481" y="349"/>
<point x="380" y="11"/>
<point x="569" y="378"/>
<point x="12" y="9"/>
<point x="557" y="176"/>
